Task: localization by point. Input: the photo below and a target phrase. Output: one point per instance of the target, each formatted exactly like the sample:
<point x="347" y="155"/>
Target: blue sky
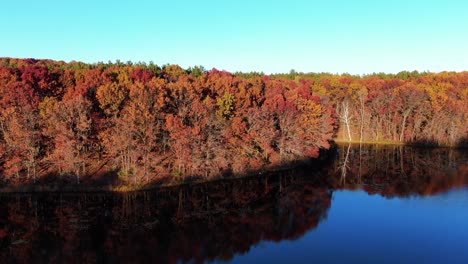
<point x="272" y="36"/>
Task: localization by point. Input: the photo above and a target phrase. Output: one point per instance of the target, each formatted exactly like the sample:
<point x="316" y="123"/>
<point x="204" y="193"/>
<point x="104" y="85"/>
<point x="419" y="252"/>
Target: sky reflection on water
<point x="362" y="228"/>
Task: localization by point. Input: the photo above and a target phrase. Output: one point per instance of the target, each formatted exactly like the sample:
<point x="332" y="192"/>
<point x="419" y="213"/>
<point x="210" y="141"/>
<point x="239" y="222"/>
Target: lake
<point x="366" y="204"/>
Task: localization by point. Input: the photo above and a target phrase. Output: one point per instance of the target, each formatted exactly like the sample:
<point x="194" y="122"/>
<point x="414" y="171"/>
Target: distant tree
<point x="196" y="71"/>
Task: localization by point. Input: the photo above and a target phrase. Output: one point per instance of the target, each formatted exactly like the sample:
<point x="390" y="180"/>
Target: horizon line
<point x="161" y="65"/>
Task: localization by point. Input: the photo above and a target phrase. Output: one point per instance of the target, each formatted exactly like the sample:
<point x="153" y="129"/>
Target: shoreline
<point x="172" y="183"/>
<point x="396" y="143"/>
<point x="128" y="188"/>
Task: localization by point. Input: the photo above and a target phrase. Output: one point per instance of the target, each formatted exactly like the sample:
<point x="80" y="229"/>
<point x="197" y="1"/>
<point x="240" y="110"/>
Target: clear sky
<point x="270" y="36"/>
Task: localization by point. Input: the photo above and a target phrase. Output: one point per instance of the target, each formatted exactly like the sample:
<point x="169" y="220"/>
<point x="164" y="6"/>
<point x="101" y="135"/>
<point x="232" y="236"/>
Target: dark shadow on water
<point x="106" y="178"/>
<point x="198" y="223"/>
<point x="215" y="220"/>
<point x="424" y="143"/>
<point x="462" y="143"/>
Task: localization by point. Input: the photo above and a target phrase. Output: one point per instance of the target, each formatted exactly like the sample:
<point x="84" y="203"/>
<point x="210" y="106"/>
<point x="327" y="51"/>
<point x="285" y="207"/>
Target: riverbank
<point x="121" y="186"/>
<point x="380" y="142"/>
<point x="166" y="182"/>
<point x="398" y="143"/>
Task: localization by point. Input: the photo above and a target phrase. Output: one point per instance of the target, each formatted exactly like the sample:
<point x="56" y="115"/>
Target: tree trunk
<point x="403" y="124"/>
<point x="362" y="119"/>
<point x="345" y="117"/>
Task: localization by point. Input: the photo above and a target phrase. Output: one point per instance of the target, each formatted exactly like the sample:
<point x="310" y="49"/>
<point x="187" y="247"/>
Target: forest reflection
<point x="399" y="171"/>
<point x="216" y="220"/>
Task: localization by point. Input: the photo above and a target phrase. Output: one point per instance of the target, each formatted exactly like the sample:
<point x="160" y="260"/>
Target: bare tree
<point x="346" y="117"/>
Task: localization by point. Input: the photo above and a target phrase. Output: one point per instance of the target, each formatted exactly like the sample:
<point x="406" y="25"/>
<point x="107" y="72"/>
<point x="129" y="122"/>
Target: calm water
<point x="368" y="204"/>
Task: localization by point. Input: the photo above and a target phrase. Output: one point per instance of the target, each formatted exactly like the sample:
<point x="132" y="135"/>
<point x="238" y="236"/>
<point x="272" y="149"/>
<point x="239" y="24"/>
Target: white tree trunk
<point x="345" y="117"/>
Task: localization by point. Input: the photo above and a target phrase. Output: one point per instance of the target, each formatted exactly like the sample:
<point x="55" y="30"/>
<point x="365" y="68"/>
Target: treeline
<point x="142" y="122"/>
<point x="407" y="107"/>
<point x="429" y="109"/>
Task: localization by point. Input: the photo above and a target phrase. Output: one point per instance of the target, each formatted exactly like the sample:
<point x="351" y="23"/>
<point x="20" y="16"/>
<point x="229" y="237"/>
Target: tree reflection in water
<point x="400" y="171"/>
<point x="217" y="220"/>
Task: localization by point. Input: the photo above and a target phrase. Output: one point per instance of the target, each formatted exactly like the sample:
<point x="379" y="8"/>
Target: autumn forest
<point x="135" y="123"/>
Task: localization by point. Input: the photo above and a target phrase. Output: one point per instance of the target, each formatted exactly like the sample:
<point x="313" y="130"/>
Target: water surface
<point x="366" y="204"/>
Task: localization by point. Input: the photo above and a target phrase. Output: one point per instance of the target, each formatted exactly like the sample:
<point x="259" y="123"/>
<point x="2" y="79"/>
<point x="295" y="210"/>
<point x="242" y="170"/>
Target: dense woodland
<point x="142" y="122"/>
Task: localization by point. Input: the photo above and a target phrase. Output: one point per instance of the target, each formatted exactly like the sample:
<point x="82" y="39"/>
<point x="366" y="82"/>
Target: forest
<point x="136" y="123"/>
